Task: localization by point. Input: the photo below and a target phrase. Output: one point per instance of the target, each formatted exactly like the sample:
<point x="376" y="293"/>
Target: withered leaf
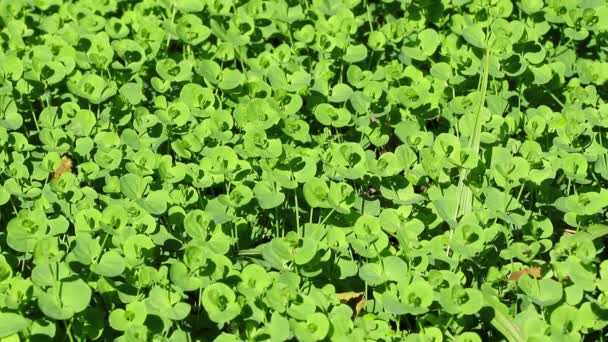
<point x="357" y="297"/>
<point x="534" y="271"/>
<point x="65" y="166"/>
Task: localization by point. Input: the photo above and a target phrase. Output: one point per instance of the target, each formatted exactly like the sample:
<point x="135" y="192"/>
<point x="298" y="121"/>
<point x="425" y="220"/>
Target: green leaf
<point x="564" y="320"/>
<point x="60" y="303"/>
<point x="166" y="304"/>
<point x="268" y="194"/>
<point x="134" y="315"/>
<point x="254" y="280"/>
<point x="279" y="328"/>
<point x="341" y="197"/>
<point x="111" y="264"/>
<point x="155" y="203"/>
<point x="331" y="116"/>
<point x="446" y="207"/>
<point x="315" y="328"/>
<point x="197" y="224"/>
<point x="531" y="6"/>
<point x="230" y="79"/>
<point x="189" y="5"/>
<point x="340" y="93"/>
<point x="239" y="196"/>
<point x="86" y="250"/>
<point x="416" y="297"/>
<point x="544" y="292"/>
<point x="394" y="268"/>
<point x="306" y="252"/>
<point x="355" y="53"/>
<point x="132" y="186"/>
<point x="429" y="41"/>
<point x="475" y="35"/>
<point x="6" y="271"/>
<point x="220" y="303"/>
<point x="9" y="116"/>
<point x="441" y="71"/>
<point x="24" y="231"/>
<point x="92" y="87"/>
<point x="11" y="323"/>
<point x="132" y="92"/>
<point x="372" y="274"/>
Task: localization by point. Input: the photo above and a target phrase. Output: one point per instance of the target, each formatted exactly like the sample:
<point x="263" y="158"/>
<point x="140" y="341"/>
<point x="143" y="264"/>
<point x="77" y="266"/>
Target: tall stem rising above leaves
<point x="465" y="195"/>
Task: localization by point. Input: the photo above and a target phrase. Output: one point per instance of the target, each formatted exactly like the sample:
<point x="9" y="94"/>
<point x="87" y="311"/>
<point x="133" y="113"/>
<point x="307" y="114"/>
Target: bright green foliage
<point x="314" y="170"/>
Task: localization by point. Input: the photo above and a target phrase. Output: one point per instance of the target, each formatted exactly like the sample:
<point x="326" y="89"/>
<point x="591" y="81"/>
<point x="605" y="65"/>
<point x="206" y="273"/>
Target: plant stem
<point x="328" y="215"/>
<point x="295" y="196"/>
<point x="34" y="118"/>
<point x="68" y="330"/>
<point x="464" y="205"/>
<point x="311" y="212"/>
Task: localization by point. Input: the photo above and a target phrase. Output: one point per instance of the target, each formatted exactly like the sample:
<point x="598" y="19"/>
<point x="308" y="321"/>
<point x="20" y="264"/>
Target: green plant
<point x="351" y="170"/>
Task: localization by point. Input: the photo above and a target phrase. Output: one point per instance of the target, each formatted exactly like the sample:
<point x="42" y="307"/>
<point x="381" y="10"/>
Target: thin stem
<point x="311" y="212"/>
<point x="328" y="215"/>
<point x="173" y="11"/>
<point x="34" y="117"/>
<point x="521" y="189"/>
<point x="295" y="196"/>
<point x="369" y="16"/>
<point x="68" y="330"/>
<point x="13" y="204"/>
<point x="556" y="99"/>
<point x="276" y="222"/>
<point x="103" y="245"/>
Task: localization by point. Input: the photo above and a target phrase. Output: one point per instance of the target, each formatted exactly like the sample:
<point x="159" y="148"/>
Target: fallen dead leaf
<point x="359" y="305"/>
<point x="65" y="166"/>
<point x="534" y="271"/>
<point x="349" y="297"/>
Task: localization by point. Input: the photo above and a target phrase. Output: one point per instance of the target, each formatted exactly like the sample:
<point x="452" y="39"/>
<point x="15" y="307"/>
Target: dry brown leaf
<point x="358" y="297"/>
<point x="346" y="296"/>
<point x="65" y="166"/>
<point x="359" y="306"/>
<point x="534" y="271"/>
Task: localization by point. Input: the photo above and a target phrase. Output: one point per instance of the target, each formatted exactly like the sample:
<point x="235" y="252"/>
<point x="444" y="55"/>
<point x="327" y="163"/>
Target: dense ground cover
<point x="353" y="170"/>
